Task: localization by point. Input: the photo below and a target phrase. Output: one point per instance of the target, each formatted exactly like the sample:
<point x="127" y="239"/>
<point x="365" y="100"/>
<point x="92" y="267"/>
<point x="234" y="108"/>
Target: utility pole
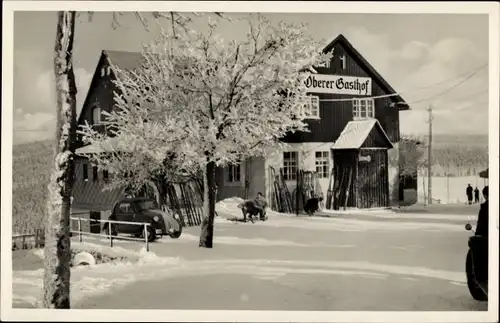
<point x="448" y="184"/>
<point x="429" y="158"/>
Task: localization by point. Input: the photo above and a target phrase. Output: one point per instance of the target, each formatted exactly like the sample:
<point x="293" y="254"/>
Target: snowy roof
<point x="121" y="142"/>
<point x="356" y="132"/>
<point x="109" y="145"/>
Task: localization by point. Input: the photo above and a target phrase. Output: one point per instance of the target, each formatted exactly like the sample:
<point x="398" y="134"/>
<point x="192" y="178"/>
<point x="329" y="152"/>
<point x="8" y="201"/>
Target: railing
<point x="109" y="235"/>
<point x="32" y="238"/>
<point x="28" y="240"/>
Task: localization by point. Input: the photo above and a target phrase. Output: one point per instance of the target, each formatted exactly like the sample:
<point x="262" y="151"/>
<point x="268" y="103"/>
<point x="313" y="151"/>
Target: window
<point x="105" y="175"/>
<point x="343" y="61"/>
<point x="363" y="108"/>
<point x="105" y="71"/>
<point x="85" y="172"/>
<point x="125" y="208"/>
<point x="233" y="173"/>
<point x="324" y="64"/>
<point x="96" y="115"/>
<point x="314" y="107"/>
<point x="290" y="164"/>
<point x="311" y="106"/>
<point x="323" y="164"/>
<point x="95" y="173"/>
<point x="146" y="205"/>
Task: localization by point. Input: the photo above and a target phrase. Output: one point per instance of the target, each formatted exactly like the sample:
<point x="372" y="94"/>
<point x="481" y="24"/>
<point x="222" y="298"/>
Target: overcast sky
<point x="410" y="51"/>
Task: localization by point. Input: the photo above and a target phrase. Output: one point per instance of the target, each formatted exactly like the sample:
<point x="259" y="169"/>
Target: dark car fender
<point x="167" y="221"/>
<point x="172" y="223"/>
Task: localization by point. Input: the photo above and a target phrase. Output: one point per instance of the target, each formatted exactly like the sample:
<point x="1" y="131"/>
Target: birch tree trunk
<point x="209" y="189"/>
<point x="57" y="245"/>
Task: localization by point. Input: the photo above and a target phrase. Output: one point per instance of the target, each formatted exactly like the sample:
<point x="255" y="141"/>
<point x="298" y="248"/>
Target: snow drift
<point x="128" y="266"/>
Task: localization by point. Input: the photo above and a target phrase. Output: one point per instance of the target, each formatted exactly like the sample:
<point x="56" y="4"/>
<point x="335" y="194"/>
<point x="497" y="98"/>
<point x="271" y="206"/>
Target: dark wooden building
<point x="333" y="116"/>
<point x="360" y="165"/>
<point x="89" y="193"/>
<point x="353" y="126"/>
<point x="346" y="93"/>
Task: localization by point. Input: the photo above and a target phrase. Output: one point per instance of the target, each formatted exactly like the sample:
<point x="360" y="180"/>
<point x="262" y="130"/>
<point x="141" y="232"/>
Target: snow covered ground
<point x="92" y="281"/>
<point x="89" y="280"/>
<point x="345" y="246"/>
<point x="228" y="208"/>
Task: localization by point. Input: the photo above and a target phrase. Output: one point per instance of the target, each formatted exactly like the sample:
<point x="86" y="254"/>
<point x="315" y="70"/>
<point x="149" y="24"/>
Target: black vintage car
<point x="143" y="210"/>
<point x="476" y="262"/>
<point x="476" y="266"/>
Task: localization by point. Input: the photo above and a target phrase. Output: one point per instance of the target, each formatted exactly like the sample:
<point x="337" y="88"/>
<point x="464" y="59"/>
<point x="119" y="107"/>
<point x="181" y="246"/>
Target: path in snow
<point x="280" y="248"/>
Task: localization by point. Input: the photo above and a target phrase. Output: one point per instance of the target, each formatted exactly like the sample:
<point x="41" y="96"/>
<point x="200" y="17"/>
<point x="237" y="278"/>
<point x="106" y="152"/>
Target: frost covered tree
<point x="56" y="291"/>
<point x="57" y="239"/>
<point x="411" y="155"/>
<point x="200" y="102"/>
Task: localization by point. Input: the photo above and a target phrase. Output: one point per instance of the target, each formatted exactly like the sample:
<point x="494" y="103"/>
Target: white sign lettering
<point x="365" y="159"/>
<point x="338" y="84"/>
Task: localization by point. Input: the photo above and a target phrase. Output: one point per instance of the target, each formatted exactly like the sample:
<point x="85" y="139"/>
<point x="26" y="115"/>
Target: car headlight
<point x="156" y="218"/>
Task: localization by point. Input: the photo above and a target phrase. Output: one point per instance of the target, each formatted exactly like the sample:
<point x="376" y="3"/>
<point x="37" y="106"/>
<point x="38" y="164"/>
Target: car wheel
<point x="151" y="234"/>
<point x="105" y="230"/>
<point x="476" y="292"/>
<point x="176" y="234"/>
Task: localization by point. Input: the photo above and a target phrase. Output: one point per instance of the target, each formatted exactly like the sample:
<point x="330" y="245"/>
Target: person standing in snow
<point x="476" y="195"/>
<point x="261" y="204"/>
<point x="469" y="190"/>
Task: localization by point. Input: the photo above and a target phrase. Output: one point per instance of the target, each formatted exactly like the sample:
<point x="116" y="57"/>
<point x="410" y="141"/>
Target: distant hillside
<point x="467" y="140"/>
<point x="30" y="175"/>
<point x="461" y="155"/>
<point x="458" y="155"/>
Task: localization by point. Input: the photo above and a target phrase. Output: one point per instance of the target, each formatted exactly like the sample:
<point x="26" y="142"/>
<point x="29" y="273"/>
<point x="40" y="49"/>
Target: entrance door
<point x="344" y="163"/>
<point x="372" y="181"/>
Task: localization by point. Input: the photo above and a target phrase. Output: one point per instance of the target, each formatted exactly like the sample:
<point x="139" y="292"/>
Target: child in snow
<point x="254" y="207"/>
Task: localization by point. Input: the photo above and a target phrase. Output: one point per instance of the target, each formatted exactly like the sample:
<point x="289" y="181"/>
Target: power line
<point x="456" y="99"/>
<point x="468" y="76"/>
<point x="474" y="72"/>
<point x="449" y="89"/>
<point x="429" y="157"/>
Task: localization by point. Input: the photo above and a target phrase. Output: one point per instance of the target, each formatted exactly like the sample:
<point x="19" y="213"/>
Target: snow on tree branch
<point x="207" y="99"/>
<point x="411" y="155"/>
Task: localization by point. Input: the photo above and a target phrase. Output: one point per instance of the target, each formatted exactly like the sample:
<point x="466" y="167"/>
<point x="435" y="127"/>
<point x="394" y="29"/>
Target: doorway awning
<point x="356" y="134"/>
<point x="484" y="173"/>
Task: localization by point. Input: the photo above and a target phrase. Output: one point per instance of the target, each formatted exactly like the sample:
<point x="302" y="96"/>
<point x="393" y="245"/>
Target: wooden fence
<point x="28" y="240"/>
